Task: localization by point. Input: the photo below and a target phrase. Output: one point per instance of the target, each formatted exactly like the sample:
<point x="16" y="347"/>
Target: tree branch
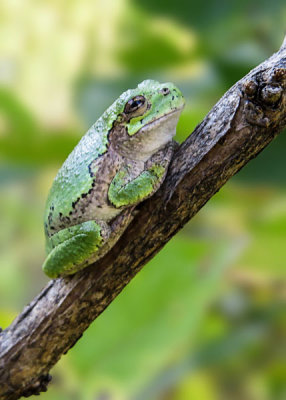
<point x="238" y="127"/>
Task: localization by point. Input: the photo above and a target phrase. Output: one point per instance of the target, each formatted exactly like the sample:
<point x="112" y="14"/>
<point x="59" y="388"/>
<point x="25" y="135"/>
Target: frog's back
<point x="75" y="178"/>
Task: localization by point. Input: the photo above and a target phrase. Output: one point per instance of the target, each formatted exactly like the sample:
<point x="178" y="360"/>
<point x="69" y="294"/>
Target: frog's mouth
<point x="167" y="121"/>
<point x="154" y="135"/>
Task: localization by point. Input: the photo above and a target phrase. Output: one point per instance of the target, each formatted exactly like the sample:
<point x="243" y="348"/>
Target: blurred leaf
<point x="62" y="64"/>
<point x="6" y="317"/>
<point x="211" y="354"/>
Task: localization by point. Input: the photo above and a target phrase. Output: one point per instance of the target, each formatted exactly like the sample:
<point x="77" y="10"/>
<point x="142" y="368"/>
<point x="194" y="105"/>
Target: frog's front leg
<point x="73" y="248"/>
<point x="126" y="190"/>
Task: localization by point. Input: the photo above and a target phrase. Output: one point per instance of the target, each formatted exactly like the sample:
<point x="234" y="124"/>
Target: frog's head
<point x="149" y="115"/>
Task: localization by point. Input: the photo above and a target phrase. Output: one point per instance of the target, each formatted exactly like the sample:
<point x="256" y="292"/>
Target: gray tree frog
<point x="120" y="161"/>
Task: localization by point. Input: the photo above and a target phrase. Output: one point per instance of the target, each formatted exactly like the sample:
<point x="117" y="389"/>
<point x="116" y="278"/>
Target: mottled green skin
<point x="105" y="174"/>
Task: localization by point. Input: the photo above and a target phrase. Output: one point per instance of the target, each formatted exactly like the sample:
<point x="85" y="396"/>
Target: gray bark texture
<point x="240" y="125"/>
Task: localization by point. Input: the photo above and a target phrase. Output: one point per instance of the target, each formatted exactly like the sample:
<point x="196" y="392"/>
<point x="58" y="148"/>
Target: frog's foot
<point x="164" y="155"/>
<point x="74" y="248"/>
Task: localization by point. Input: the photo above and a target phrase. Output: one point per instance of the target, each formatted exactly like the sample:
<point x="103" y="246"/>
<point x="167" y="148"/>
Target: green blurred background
<point x="204" y="320"/>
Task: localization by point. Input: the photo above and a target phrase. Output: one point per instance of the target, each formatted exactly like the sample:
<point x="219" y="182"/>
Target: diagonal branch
<point x="238" y="127"/>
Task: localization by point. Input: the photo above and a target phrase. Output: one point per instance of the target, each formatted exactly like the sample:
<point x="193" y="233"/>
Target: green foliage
<point x="205" y="320"/>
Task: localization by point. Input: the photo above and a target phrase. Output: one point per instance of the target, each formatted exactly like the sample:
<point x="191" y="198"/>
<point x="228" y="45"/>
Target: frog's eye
<point x="136" y="106"/>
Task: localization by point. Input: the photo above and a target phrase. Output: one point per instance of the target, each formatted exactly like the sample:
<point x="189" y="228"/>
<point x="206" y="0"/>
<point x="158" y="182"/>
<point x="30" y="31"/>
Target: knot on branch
<point x="41" y="385"/>
<point x="271" y="94"/>
<point x="264" y="95"/>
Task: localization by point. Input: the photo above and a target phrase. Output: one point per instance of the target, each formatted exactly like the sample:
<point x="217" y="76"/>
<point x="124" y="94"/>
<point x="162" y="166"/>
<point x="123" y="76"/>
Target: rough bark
<point x="238" y="127"/>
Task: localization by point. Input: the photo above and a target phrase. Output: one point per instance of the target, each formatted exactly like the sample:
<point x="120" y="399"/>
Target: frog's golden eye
<point x="136" y="106"/>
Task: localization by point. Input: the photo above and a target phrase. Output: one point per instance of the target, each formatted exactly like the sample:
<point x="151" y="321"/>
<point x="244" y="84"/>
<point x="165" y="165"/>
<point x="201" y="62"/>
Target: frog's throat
<point x="152" y="137"/>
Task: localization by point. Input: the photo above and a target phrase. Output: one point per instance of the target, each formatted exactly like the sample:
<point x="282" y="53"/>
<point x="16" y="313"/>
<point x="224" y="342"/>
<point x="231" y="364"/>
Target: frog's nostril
<point x="165" y="91"/>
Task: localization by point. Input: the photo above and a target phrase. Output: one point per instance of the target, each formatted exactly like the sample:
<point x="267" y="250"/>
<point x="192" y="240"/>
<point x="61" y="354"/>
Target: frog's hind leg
<point x="73" y="248"/>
